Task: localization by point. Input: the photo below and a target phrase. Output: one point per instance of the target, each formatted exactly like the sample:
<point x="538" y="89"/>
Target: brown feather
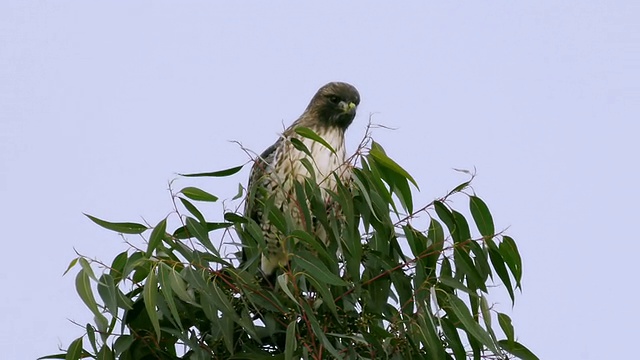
<point x="329" y="113"/>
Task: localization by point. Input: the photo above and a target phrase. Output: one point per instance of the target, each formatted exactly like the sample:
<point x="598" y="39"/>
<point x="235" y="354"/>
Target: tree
<point x="396" y="281"/>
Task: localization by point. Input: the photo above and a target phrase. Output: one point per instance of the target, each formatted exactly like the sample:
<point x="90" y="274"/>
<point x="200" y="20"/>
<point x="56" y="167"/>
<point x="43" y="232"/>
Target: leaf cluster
<point x="395" y="281"/>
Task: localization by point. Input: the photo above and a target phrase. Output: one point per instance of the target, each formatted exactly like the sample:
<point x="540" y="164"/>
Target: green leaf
<point x="74" y="352"/>
<point x="234" y="218"/>
<point x="445" y="269"/>
<point x="87" y="268"/>
<point x="453" y="339"/>
<point x="326" y="296"/>
<point x="461" y="311"/>
<point x="194" y="193"/>
<point x="316" y="268"/>
<point x="133" y="262"/>
<point x="376" y="188"/>
<point x="381" y="212"/>
<point x="303" y="206"/>
<point x="283" y="281"/>
<point x="183" y="232"/>
<point x="179" y="287"/>
<point x="310" y="168"/>
<point x="253" y="242"/>
<point x="416" y="243"/>
<point x="124" y="227"/>
<point x="445" y="215"/>
<point x="481" y="260"/>
<point x="102" y="326"/>
<point x="482" y="216"/>
<point x="360" y="181"/>
<point x="54" y="356"/>
<point x="240" y="192"/>
<point x="498" y="265"/>
<point x="123" y="343"/>
<point x="290" y="344"/>
<point x="221" y="173"/>
<point x="465" y="264"/>
<point x="156" y="237"/>
<point x="399" y="186"/>
<point x="429" y="335"/>
<point x="221" y="300"/>
<point x="150" y="295"/>
<point x="123" y="301"/>
<point x="165" y="274"/>
<point x="451" y="282"/>
<point x="403" y="191"/>
<point x="199" y="232"/>
<point x="105" y="353"/>
<point x="378" y="153"/>
<point x="299" y="145"/>
<point x="313" y="242"/>
<point x="317" y="330"/>
<point x="517" y="349"/>
<point x="476" y="347"/>
<point x="91" y="335"/>
<point x="459" y="188"/>
<point x="402" y="284"/>
<point x="277" y="218"/>
<point x="310" y="134"/>
<point x="192" y="209"/>
<point x="117" y="266"/>
<point x="462" y="232"/>
<point x="71" y="265"/>
<point x="506" y="326"/>
<point x="83" y="287"/>
<point x="486" y="316"/>
<point x="511" y="256"/>
<point x="436" y="237"/>
<point x="108" y="293"/>
<point x="226" y="327"/>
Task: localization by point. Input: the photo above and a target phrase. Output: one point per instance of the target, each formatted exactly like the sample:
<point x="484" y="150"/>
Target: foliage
<point x="395" y="282"/>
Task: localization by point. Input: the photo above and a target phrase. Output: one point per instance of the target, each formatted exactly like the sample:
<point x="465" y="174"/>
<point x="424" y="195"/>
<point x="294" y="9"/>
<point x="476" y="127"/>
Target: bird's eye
<point x="334" y="99"/>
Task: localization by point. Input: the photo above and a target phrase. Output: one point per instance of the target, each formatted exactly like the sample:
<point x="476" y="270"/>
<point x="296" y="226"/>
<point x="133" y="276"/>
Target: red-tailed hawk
<point x="330" y="112"/>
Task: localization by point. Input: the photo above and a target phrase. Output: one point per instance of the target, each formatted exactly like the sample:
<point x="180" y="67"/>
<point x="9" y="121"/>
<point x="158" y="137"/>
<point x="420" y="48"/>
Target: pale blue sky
<point x="100" y="106"/>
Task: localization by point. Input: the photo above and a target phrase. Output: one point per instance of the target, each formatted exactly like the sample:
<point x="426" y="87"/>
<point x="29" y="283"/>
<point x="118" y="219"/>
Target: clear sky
<point x="101" y="105"/>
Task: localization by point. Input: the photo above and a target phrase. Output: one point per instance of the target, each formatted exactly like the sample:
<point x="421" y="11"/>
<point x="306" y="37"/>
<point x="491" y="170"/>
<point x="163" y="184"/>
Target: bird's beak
<point x="347" y="107"/>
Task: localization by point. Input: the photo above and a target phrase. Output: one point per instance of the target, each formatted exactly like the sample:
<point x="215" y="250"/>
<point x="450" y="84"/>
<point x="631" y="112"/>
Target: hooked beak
<point x="347" y="107"/>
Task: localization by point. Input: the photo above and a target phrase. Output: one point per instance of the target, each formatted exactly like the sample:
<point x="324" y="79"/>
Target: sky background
<point x="102" y="104"/>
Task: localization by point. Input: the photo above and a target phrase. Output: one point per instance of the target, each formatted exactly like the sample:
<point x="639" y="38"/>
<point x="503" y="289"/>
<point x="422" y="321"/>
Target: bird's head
<point x="335" y="104"/>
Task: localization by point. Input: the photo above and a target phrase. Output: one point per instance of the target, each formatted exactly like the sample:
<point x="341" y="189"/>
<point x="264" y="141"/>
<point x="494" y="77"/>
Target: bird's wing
<point x="256" y="191"/>
<point x="259" y="171"/>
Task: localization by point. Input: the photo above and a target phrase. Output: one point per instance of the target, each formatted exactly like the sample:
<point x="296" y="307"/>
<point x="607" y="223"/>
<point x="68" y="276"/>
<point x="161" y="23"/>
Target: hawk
<point x="329" y="114"/>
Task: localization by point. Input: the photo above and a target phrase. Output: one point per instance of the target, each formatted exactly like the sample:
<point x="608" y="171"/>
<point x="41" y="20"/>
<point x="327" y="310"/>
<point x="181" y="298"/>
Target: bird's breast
<point x="323" y="160"/>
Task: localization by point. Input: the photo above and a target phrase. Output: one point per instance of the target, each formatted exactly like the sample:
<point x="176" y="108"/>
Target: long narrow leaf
<point x="197" y="194"/>
<point x="290" y="342"/>
<point x="481" y="216"/>
<point x="462" y="312"/>
<point x="156" y="237"/>
<point x="517" y="349"/>
<point x="317" y="269"/>
<point x="75" y="350"/>
<point x="83" y="287"/>
<point x="506" y="326"/>
<point x="310" y="134"/>
<point x="378" y="153"/>
<point x="122" y="227"/>
<point x="221" y="173"/>
<point x="108" y="293"/>
<point x="150" y="294"/>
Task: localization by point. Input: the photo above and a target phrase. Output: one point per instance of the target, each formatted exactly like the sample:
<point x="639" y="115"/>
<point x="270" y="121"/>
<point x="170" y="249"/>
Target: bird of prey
<point x="330" y="112"/>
